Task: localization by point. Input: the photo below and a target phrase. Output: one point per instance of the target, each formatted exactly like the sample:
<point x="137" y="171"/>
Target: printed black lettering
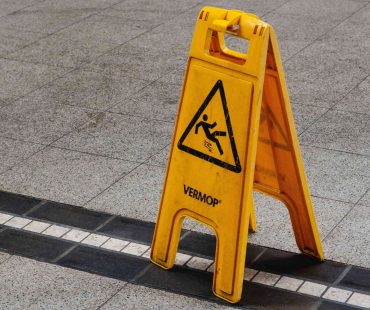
<point x="202" y="197"/>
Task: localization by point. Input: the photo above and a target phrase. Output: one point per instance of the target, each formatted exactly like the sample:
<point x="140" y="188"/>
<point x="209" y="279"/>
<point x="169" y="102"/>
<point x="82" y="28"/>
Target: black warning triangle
<point x="235" y="167"/>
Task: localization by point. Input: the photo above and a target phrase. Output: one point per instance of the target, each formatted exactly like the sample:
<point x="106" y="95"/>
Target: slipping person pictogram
<point x="211" y="136"/>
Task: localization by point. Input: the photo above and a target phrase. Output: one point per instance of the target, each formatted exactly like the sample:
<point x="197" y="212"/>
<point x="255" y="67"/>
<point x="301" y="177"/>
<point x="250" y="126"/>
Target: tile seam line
<point x="336" y="150"/>
<point x="329" y="30"/>
<point x="111" y="297"/>
<point x="334" y="105"/>
<point x="16" y="11"/>
<point x="123" y="176"/>
<point x="54" y="32"/>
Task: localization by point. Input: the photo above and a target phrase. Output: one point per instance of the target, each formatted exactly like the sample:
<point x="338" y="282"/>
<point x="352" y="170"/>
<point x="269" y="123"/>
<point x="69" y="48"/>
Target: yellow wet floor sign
<point x="234" y="133"/>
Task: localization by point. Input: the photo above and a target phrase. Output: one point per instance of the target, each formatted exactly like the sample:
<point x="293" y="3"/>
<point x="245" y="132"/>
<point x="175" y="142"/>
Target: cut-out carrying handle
<point x="209" y="44"/>
<point x="236" y="24"/>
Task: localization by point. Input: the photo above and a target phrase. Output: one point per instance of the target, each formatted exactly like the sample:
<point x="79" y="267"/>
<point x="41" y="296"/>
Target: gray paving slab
<point x="61" y="51"/>
<point x="120" y="136"/>
<point x="91" y="89"/>
<point x="4" y="257"/>
<point x="19" y="78"/>
<point x="298" y="23"/>
<point x="151" y="12"/>
<point x="365" y="200"/>
<point x="36" y="119"/>
<point x="174" y="77"/>
<point x="28" y="284"/>
<point x="274" y="228"/>
<point x="137" y="195"/>
<point x="321" y="74"/>
<point x="14" y="39"/>
<point x="349" y="242"/>
<point x="140" y="62"/>
<point x="336" y="175"/>
<point x="358" y="100"/>
<point x="340" y="130"/>
<point x="101" y="28"/>
<point x="156" y="101"/>
<point x="11" y="6"/>
<point x="161" y="158"/>
<point x="47" y="17"/>
<point x="139" y="297"/>
<point x="173" y="35"/>
<point x="305" y="115"/>
<point x="13" y="151"/>
<point x="64" y="176"/>
<point x="259" y="8"/>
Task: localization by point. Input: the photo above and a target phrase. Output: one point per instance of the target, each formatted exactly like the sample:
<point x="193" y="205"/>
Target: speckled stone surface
<point x="29" y="284"/>
<point x="139" y="297"/>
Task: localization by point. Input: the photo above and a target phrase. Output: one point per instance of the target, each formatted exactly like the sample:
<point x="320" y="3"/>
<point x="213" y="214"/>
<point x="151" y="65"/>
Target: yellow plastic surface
<point x="234" y="132"/>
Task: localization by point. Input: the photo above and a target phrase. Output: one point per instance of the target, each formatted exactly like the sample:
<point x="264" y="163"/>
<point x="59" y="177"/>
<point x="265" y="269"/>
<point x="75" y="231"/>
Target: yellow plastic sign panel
<point x="234" y="132"/>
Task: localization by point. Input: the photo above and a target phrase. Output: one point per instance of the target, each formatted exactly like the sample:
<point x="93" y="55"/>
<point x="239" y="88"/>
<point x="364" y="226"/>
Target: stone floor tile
<point x="14" y="151"/>
<point x="95" y="240"/>
<point x="358" y="99"/>
<point x="266" y="278"/>
<point x="181" y="258"/>
<point x="101" y="28"/>
<point x="17" y="222"/>
<point x="312" y="288"/>
<point x="4" y="217"/>
<point x="249" y="273"/>
<point x="76" y="235"/>
<point x="336" y="175"/>
<point x="90" y="89"/>
<point x="137" y="195"/>
<point x="36" y="226"/>
<point x="337" y="294"/>
<point x="305" y="115"/>
<point x="318" y="76"/>
<point x="19" y="78"/>
<point x="199" y="263"/>
<point x="56" y="231"/>
<point x="350" y="240"/>
<point x="259" y="8"/>
<point x="137" y="61"/>
<point x="14" y="39"/>
<point x="138" y="297"/>
<point x="365" y="200"/>
<point x="274" y="228"/>
<point x="156" y="101"/>
<point x="119" y="136"/>
<point x="135" y="249"/>
<point x="61" y="51"/>
<point x="340" y="130"/>
<point x="29" y="284"/>
<point x="161" y="158"/>
<point x="288" y="283"/>
<point x="64" y="176"/>
<point x="47" y="16"/>
<point x="114" y="244"/>
<point x="36" y="119"/>
<point x="8" y="7"/>
<point x="298" y="23"/>
<point x="4" y="257"/>
<point x="360" y="300"/>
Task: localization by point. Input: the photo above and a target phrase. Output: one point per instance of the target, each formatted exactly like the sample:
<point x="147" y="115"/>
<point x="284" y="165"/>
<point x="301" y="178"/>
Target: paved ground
<point x="89" y="90"/>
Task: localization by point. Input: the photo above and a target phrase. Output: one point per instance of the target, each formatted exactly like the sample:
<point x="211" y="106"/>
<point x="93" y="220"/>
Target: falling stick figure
<point x="210" y="136"/>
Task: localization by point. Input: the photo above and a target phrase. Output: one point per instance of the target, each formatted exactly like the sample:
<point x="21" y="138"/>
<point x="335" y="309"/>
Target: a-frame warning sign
<point x="210" y="145"/>
<point x="234" y="134"/>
